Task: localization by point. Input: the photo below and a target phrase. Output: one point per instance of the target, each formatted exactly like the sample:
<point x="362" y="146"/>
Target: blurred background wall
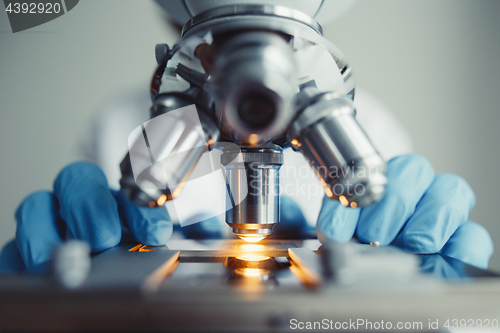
<point x="436" y="64"/>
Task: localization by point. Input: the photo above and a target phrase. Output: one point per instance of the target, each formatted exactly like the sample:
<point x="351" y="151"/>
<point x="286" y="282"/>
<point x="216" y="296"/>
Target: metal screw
<point x="71" y="264"/>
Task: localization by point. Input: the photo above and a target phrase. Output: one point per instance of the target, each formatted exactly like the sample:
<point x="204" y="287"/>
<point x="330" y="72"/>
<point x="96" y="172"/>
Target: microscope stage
<point x="230" y="285"/>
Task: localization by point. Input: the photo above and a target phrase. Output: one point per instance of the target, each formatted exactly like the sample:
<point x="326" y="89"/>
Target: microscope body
<point x="261" y="79"/>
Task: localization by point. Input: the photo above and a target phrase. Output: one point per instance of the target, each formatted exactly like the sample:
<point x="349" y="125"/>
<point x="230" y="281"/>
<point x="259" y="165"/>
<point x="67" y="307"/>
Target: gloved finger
<point x="210" y="228"/>
<point x="293" y="224"/>
<point x="443" y="208"/>
<point x="471" y="243"/>
<point x="336" y="222"/>
<point x="11" y="260"/>
<point x="87" y="205"/>
<point x="149" y="225"/>
<point x="39" y="230"/>
<point x="409" y="176"/>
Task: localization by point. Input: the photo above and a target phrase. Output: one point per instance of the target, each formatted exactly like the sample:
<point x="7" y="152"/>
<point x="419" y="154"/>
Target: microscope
<point x="252" y="80"/>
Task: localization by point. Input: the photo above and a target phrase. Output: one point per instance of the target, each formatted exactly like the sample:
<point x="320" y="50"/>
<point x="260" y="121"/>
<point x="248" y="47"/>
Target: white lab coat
<point x="105" y="143"/>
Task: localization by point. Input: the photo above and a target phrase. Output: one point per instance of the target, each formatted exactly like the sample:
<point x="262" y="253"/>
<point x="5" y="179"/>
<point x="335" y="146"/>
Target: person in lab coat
<point x="420" y="212"/>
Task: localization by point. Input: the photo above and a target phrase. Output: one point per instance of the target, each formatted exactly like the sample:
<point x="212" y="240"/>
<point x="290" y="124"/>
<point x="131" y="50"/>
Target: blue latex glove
<point x="420" y="212"/>
<point x="293" y="223"/>
<point x="81" y="207"/>
<point x="207" y="229"/>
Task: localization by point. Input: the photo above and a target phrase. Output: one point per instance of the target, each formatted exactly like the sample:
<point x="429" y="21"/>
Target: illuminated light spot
<point x="252" y="247"/>
<point x="295" y="143"/>
<point x="250" y="272"/>
<point x="252" y="238"/>
<point x="253" y="139"/>
<point x="210" y="142"/>
<point x="343" y="200"/>
<point x="144" y="249"/>
<point x="375" y="243"/>
<point x="152" y="204"/>
<point x="354" y="205"/>
<point x="136" y="248"/>
<point x="162" y="200"/>
<point x="253" y="258"/>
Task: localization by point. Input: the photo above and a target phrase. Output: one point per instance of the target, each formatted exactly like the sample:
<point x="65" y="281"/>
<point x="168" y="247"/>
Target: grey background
<point x="436" y="64"/>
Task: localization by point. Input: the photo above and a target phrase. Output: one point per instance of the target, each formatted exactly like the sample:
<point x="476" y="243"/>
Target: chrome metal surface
<point x="165" y="152"/>
<point x="246" y="64"/>
<point x="254" y="79"/>
<point x="252" y="11"/>
<point x="253" y="177"/>
<point x="338" y="150"/>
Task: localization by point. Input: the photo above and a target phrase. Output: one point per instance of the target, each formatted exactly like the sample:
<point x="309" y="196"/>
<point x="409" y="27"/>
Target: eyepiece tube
<point x="164" y="151"/>
<point x="345" y="161"/>
<point x="253" y="178"/>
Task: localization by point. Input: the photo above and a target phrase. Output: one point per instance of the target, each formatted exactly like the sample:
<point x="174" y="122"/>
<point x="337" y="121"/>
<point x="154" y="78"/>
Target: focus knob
<point x="161" y="51"/>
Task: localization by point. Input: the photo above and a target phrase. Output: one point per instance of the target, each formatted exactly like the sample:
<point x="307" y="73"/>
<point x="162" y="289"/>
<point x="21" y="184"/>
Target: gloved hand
<point x="81" y="207"/>
<point x="420" y="212"/>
